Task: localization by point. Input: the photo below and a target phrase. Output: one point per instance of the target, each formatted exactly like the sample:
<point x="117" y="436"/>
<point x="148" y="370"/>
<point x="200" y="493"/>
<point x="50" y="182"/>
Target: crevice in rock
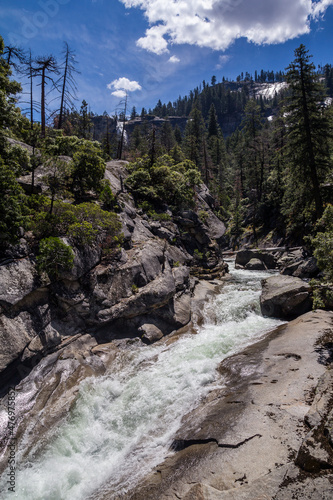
<point x="182" y="444"/>
<point x="238" y="445"/>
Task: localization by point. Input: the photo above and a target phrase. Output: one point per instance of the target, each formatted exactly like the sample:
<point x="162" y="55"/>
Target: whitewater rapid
<point x="123" y="423"/>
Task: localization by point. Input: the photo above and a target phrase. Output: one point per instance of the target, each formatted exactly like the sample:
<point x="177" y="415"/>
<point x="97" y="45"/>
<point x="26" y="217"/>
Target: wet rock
<point x="255" y="265"/>
<point x="182" y="309"/>
<point x="150" y="333"/>
<point x="285" y="297"/>
<point x="241" y="441"/>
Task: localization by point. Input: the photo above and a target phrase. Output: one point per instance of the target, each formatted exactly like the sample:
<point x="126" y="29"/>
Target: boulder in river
<point x="245" y="256"/>
<point x="285" y="297"/>
<point x="255" y="265"/>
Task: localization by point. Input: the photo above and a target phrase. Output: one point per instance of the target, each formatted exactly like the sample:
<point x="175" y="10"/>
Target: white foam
<point x="123" y="424"/>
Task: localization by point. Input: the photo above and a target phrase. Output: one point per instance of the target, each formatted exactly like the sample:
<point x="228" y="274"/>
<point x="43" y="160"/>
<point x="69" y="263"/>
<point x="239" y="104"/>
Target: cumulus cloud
<point x="119" y="93"/>
<point x="122" y="86"/>
<point x="218" y="23"/>
<point x="174" y="59"/>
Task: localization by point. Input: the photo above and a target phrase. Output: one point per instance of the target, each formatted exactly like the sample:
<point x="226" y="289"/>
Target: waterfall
<point x="123" y="423"/>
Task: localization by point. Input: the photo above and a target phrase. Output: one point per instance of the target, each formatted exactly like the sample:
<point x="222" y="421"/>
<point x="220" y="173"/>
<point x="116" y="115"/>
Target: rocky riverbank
<point x="143" y="291"/>
<point x="267" y="434"/>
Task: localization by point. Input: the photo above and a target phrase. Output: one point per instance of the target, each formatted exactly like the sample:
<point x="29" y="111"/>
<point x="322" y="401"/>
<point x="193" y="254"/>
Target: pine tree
<point x="308" y="138"/>
<point x="8" y="90"/>
<point x="213" y="125"/>
<point x="194" y="136"/>
<point x="85" y="124"/>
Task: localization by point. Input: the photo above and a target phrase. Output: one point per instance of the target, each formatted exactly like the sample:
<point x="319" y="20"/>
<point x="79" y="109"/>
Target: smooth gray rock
<point x="116" y="174"/>
<point x="285" y="297"/>
<point x="18" y="279"/>
<point x="255" y="265"/>
<point x="85" y="259"/>
<point x="15" y="334"/>
<point x="150" y="333"/>
<point x="241" y="441"/>
<point x="154" y="295"/>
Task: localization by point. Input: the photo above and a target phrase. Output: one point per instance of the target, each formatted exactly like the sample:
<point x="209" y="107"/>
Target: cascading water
<point x="123" y="423"/>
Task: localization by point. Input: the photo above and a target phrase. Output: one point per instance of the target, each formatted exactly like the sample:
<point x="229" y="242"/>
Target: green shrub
<point x="18" y="159"/>
<point x="106" y="195"/>
<point x="82" y="223"/>
<point x="55" y="257"/>
<point x="88" y="171"/>
<point x="322" y="243"/>
<point x="12" y="205"/>
<point x="164" y="182"/>
<point x="83" y="233"/>
<point x="163" y="217"/>
<point x="197" y="254"/>
<point x="203" y="216"/>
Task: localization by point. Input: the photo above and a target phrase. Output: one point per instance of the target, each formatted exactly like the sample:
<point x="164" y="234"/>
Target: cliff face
<point x="143" y="291"/>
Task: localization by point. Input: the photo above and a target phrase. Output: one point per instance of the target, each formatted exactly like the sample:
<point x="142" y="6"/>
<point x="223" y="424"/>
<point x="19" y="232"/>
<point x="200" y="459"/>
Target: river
<point x="123" y="423"/>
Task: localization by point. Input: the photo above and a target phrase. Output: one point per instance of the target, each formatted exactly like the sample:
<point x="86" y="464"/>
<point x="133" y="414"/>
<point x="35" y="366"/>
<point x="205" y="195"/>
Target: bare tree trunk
<point x="63" y="91"/>
<point x="43" y="103"/>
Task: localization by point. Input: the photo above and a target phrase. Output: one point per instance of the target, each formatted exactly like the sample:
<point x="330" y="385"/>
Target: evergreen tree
<point x="194" y="136"/>
<point x="8" y="90"/>
<point x="167" y="137"/>
<point x="85" y="124"/>
<point x="213" y="125"/>
<point x="308" y="138"/>
<point x="133" y="113"/>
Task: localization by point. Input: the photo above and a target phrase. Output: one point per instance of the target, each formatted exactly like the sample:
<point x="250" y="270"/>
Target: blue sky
<point x="159" y="49"/>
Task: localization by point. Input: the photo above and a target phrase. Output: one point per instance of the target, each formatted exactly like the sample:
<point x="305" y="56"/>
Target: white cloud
<point x="320" y="8"/>
<point x="119" y="93"/>
<point x="218" y="23"/>
<point x="154" y="40"/>
<point x="124" y="84"/>
<point x="174" y="59"/>
<point x="222" y="61"/>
